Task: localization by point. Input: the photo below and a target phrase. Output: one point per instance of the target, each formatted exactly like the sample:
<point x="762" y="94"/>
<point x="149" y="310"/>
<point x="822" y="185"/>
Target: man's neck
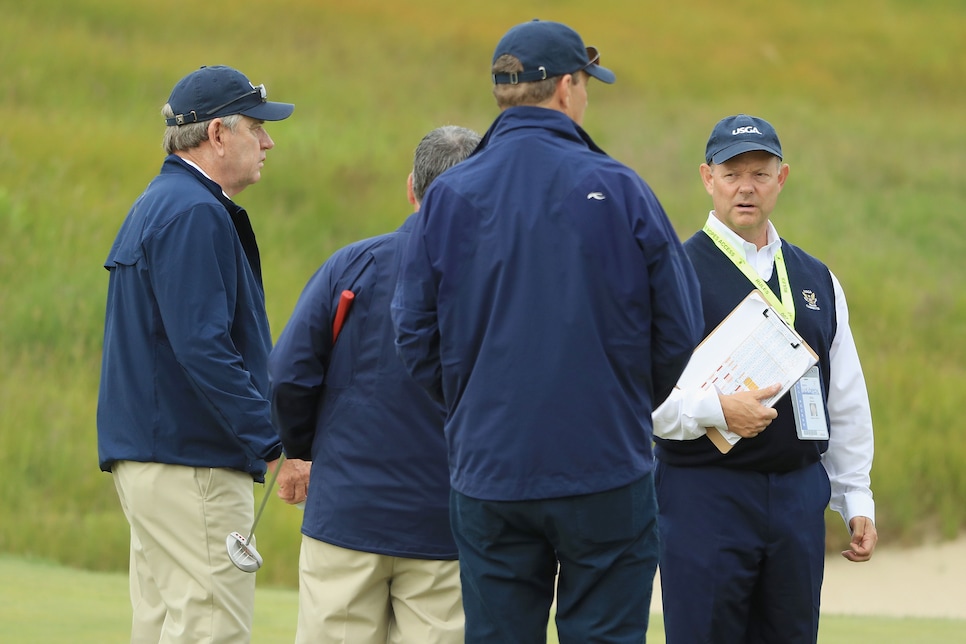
<point x="198" y="164"/>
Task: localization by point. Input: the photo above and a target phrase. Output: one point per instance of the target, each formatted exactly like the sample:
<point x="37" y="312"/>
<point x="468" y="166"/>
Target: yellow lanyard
<point x="786" y="306"/>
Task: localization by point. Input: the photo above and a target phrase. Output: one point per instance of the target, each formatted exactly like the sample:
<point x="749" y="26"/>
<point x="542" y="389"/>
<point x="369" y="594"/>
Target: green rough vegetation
<point x="868" y="98"/>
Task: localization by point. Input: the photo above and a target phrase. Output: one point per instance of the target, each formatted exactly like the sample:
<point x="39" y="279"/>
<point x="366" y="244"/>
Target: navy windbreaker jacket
<point x="379" y="480"/>
<point x="546" y="299"/>
<point x="184" y="375"/>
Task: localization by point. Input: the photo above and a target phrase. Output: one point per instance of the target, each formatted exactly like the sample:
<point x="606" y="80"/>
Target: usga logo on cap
<point x="738" y="134"/>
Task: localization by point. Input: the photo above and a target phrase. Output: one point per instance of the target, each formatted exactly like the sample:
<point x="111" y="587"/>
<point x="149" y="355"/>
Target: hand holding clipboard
<point x="752" y="348"/>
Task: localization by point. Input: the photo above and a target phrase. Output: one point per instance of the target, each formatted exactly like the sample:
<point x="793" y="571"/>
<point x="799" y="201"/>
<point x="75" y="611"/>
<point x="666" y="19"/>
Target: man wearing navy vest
<point x="743" y="530"/>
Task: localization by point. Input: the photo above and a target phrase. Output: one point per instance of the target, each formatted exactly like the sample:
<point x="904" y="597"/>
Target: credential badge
<point x="811" y="300"/>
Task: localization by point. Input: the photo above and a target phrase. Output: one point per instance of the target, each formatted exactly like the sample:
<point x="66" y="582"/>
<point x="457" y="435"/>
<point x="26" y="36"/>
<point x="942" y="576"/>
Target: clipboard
<point x="753" y="347"/>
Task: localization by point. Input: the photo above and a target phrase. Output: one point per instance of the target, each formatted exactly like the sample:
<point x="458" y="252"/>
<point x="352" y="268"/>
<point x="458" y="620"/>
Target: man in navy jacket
<point x="378" y="561"/>
<point x="183" y="418"/>
<point x="546" y="300"/>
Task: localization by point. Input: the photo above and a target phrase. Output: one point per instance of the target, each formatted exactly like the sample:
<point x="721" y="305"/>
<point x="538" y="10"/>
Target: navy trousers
<point x="742" y="554"/>
<point x="607" y="548"/>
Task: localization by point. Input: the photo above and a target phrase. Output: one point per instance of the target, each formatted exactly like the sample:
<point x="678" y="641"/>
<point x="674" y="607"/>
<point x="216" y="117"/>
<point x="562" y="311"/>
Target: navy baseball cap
<point x="217" y="91"/>
<point x="741" y="133"/>
<point x="547" y="49"/>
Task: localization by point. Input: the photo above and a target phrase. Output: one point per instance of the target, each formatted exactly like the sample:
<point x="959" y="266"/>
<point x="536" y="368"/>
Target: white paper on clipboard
<point x="750" y="349"/>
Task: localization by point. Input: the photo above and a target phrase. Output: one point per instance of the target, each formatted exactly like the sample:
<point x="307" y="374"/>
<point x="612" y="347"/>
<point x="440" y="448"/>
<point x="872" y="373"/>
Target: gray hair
<point x="440" y="150"/>
<point x="190" y="135"/>
<point x="532" y="93"/>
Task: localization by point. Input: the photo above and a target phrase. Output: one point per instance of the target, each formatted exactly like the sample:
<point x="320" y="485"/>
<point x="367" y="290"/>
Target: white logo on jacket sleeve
<point x="599" y="196"/>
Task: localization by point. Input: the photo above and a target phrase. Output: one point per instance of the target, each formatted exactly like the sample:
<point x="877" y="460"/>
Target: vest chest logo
<point x="811" y="300"/>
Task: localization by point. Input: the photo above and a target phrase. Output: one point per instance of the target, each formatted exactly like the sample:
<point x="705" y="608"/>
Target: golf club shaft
<point x="268" y="490"/>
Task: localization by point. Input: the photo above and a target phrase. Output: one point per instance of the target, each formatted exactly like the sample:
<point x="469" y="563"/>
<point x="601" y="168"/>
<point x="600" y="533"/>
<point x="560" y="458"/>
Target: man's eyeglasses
<point x="259" y="89"/>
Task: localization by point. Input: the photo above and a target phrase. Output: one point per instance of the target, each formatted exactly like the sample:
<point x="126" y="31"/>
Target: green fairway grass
<point x="47" y="603"/>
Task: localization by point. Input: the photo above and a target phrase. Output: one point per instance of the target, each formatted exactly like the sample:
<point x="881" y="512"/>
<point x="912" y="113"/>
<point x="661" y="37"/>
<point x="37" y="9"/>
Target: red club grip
<point x="345" y="303"/>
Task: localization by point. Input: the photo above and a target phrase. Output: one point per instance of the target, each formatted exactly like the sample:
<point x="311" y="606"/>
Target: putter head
<point x="243" y="555"/>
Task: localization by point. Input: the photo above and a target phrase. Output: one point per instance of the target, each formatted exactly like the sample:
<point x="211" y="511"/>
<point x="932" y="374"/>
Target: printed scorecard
<point x="752" y="348"/>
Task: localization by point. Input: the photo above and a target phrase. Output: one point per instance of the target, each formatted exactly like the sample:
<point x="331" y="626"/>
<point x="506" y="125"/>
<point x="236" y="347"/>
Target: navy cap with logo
<point x="547" y="49"/>
<point x="218" y="91"/>
<point x="738" y="134"/>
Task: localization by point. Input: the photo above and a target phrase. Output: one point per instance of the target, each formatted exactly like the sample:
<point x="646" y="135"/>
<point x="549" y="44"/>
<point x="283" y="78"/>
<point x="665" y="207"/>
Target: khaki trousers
<point x="351" y="596"/>
<point x="184" y="587"/>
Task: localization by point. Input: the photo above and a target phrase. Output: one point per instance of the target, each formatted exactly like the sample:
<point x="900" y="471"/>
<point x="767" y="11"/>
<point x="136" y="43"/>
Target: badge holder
<point x="809" y="407"/>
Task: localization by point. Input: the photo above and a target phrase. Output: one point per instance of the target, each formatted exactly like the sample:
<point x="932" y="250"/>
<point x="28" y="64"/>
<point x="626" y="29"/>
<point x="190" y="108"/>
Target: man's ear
<point x="706" y="177"/>
<point x="562" y="92"/>
<point x="216" y="133"/>
<point x="782" y="175"/>
<point x="409" y="192"/>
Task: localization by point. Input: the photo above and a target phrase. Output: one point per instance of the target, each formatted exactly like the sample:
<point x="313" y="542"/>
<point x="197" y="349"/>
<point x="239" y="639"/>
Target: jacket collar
<point x="516" y="118"/>
<point x="174" y="163"/>
<point x="239" y="217"/>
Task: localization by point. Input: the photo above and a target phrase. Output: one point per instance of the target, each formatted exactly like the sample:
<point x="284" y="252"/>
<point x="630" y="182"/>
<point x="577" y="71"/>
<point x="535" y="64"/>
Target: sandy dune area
<point x="926" y="581"/>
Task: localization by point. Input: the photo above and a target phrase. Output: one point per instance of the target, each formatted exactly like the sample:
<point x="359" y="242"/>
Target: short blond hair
<point x="513" y="95"/>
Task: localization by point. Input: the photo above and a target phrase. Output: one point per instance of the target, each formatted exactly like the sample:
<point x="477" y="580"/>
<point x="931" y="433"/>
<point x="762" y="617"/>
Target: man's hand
<point x="744" y="413"/>
<point x="864" y="538"/>
<point x="293" y="479"/>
